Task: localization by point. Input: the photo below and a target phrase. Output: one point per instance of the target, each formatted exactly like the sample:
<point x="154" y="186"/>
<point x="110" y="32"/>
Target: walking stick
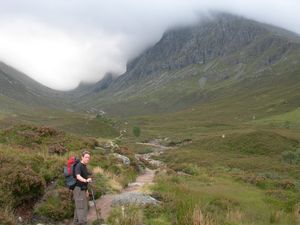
<point x="95" y="204"/>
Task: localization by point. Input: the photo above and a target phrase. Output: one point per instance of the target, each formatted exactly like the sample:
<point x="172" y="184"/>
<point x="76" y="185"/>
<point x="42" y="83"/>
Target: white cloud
<point x="56" y="58"/>
<point x="62" y="42"/>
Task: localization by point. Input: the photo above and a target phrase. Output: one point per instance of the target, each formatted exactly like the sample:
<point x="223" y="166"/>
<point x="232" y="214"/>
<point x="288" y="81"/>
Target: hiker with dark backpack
<point x="80" y="192"/>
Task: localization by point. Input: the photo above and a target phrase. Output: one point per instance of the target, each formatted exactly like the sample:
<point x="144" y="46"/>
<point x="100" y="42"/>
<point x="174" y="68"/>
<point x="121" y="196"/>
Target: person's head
<point x="85" y="157"/>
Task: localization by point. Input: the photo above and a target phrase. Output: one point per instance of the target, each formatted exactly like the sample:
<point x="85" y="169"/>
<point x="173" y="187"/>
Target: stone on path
<point x="133" y="198"/>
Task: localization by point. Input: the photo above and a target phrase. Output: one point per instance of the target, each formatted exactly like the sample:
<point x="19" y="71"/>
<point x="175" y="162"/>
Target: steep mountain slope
<point x="17" y="88"/>
<point x="86" y="88"/>
<point x="226" y="58"/>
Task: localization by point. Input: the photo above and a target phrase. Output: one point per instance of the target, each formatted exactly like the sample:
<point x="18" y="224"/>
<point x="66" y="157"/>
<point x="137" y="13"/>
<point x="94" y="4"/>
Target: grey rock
<point x="133" y="198"/>
<point x="124" y="159"/>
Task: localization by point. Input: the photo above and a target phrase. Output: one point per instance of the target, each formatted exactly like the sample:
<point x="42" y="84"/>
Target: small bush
<point x="56" y="204"/>
<point x="27" y="135"/>
<point x="187" y="168"/>
<point x="136" y="131"/>
<point x="257" y="180"/>
<point x="291" y="157"/>
<point x="99" y="185"/>
<point x="57" y="149"/>
<point x="51" y="169"/>
<point x="278" y="194"/>
<point x="47" y="131"/>
<point x="287" y="184"/>
<point x="22" y="184"/>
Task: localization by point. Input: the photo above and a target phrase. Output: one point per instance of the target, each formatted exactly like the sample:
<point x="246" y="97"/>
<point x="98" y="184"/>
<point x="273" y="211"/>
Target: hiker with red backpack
<point x="80" y="192"/>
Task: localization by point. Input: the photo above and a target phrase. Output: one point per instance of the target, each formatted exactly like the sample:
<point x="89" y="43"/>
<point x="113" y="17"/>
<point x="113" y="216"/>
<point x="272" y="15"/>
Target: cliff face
<point x="208" y="40"/>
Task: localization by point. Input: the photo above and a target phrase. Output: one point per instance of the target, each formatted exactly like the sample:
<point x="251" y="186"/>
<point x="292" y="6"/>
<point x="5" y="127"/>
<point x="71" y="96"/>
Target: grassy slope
<point x="245" y="180"/>
<point x="84" y="124"/>
<point x="258" y="117"/>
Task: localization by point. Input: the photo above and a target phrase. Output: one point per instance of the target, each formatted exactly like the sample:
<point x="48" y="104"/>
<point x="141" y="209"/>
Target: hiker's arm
<point x="80" y="178"/>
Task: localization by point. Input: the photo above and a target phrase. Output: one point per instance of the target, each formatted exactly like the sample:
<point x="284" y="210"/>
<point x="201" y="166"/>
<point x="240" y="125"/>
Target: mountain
<point x="223" y="57"/>
<point x="17" y="88"/>
<point x="86" y="88"/>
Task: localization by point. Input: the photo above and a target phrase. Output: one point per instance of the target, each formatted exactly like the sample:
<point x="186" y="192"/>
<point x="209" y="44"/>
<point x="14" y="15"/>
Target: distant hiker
<point x="80" y="193"/>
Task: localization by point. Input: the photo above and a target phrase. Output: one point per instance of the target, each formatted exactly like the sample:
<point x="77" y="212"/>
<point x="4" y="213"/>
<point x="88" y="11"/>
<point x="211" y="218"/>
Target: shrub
<point x="22" y="184"/>
<point x="136" y="131"/>
<point x="56" y="204"/>
<point x="90" y="143"/>
<point x="187" y="168"/>
<point x="291" y="157"/>
<point x="51" y="168"/>
<point x="47" y="131"/>
<point x="279" y="194"/>
<point x="57" y="149"/>
<point x="287" y="184"/>
<point x="99" y="185"/>
<point x="257" y="180"/>
<point x="27" y="135"/>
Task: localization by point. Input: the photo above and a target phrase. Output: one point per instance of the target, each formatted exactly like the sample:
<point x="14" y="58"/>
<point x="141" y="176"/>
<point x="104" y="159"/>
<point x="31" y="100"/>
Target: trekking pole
<point x="94" y="203"/>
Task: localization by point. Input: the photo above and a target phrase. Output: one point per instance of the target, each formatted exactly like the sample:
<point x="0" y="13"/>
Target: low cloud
<point x="61" y="43"/>
<point x="59" y="59"/>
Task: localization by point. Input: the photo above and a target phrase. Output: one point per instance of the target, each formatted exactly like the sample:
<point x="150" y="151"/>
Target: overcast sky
<point x="63" y="42"/>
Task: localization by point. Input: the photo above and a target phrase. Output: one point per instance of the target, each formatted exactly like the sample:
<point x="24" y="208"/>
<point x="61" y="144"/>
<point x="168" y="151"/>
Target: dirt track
<point x="104" y="203"/>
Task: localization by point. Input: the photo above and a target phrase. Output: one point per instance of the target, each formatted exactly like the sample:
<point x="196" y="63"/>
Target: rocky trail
<point x="134" y="192"/>
<point x="104" y="204"/>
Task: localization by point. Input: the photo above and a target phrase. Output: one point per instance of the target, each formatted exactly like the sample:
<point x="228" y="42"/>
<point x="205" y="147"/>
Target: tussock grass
<point x="223" y="201"/>
<point x="126" y="215"/>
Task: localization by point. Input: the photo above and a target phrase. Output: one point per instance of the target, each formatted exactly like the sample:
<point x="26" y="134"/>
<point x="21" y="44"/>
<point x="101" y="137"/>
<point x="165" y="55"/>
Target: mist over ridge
<point x="61" y="43"/>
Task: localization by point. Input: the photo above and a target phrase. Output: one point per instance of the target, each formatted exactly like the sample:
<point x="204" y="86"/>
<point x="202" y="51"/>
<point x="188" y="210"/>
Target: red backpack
<point x="69" y="172"/>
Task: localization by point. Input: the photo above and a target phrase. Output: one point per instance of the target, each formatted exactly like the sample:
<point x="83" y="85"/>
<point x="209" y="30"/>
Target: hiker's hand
<point x="87" y="194"/>
<point x="89" y="180"/>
